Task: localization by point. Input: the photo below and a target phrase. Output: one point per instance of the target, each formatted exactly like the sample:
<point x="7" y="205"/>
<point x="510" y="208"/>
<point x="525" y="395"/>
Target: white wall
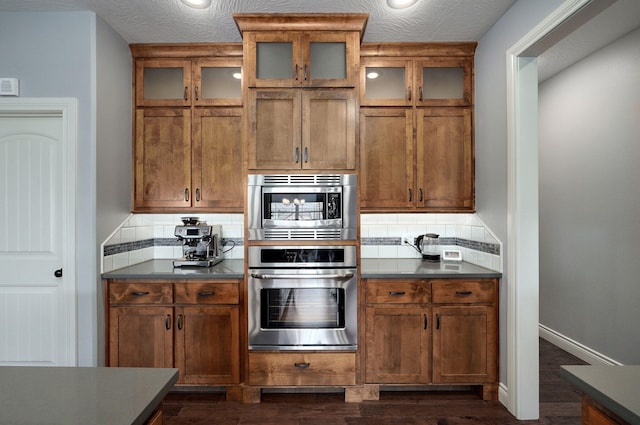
<point x="491" y="129"/>
<point x="589" y="120"/>
<point x="113" y="145"/>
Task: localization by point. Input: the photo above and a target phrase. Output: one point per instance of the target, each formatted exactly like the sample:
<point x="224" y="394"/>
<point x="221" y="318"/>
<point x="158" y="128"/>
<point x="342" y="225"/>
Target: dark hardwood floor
<point x="559" y="405"/>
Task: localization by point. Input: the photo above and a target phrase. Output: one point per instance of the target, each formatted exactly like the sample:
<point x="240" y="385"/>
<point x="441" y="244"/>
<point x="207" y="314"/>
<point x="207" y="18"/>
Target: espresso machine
<point x="201" y="243"/>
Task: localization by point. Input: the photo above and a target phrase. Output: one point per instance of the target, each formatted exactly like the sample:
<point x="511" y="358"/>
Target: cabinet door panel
<point x="329" y="129"/>
<point x="217" y="82"/>
<point x="274" y="126"/>
<point x="464" y="344"/>
<point x="445" y="158"/>
<point x="141" y="336"/>
<point x="207" y="345"/>
<point x="397" y="345"/>
<point x="386" y="158"/>
<point x="386" y="82"/>
<point x="162" y="158"/>
<point x="163" y="82"/>
<point x="217" y="158"/>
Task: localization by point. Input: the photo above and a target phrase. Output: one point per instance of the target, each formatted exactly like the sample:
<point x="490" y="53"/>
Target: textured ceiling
<point x="167" y="21"/>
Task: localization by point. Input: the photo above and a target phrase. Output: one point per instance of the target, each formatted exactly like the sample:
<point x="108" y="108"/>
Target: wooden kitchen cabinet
<point x="301" y="50"/>
<point x="188" y="128"/>
<point x="302" y="129"/>
<point x="302" y="368"/>
<point x="417" y="113"/>
<point x="193" y="326"/>
<point x="431" y="331"/>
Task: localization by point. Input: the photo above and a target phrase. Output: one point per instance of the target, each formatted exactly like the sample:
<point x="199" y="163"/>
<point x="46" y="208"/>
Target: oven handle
<point x="297" y="276"/>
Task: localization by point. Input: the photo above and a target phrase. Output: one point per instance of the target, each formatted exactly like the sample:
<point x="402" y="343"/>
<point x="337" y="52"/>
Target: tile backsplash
<point x="143" y="237"/>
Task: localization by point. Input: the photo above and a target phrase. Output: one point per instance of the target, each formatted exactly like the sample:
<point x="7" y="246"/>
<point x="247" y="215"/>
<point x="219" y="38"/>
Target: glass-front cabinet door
<point x="163" y="82"/>
<point x="386" y="82"/>
<point x="293" y="59"/>
<point x="444" y="82"/>
<point x="217" y="82"/>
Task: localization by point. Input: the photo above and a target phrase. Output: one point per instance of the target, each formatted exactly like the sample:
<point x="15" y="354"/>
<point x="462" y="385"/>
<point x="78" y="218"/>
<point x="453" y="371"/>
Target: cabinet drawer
<point x="312" y="369"/>
<point x="140" y="293"/>
<point x="398" y="291"/>
<point x="207" y="293"/>
<point x="462" y="292"/>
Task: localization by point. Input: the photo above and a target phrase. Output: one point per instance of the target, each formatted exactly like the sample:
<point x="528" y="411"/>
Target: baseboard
<point x="503" y="394"/>
<point x="575" y="348"/>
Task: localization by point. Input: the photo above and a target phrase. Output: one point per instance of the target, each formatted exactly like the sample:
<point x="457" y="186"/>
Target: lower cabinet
<point x="193" y="326"/>
<point x="431" y="332"/>
<point x="302" y="368"/>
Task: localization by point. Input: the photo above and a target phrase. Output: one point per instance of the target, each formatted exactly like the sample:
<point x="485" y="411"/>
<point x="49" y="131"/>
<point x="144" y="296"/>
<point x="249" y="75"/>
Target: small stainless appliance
<point x="302" y="207"/>
<point x="302" y="298"/>
<point x="201" y="243"/>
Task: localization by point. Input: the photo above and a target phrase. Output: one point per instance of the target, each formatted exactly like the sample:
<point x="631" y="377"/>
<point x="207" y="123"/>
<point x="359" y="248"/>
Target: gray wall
<point x="491" y="129"/>
<point x="52" y="55"/>
<point x="74" y="54"/>
<point x="589" y="120"/>
<point x="113" y="137"/>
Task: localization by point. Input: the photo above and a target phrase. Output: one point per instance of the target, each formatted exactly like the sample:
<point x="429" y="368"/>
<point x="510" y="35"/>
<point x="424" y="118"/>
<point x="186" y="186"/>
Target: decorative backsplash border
<point x="489" y="248"/>
<point x="123" y="247"/>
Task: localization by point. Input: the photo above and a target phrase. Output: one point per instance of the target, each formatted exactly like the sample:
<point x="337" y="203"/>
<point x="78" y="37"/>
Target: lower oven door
<point x="303" y="309"/>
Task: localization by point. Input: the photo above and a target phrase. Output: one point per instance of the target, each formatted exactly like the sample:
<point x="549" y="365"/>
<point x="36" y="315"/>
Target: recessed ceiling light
<point x="197" y="4"/>
<point x="401" y="4"/>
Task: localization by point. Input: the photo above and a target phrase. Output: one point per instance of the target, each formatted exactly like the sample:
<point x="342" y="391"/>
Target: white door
<point x="37" y="276"/>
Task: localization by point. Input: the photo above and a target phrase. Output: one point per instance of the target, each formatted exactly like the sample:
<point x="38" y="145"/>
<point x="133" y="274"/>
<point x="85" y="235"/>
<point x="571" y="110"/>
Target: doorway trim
<point x="522" y="210"/>
<point x="67" y="108"/>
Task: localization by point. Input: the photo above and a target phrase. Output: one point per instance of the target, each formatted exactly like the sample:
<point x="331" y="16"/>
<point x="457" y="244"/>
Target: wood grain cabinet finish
<point x="302" y="369"/>
<point x="188" y="128"/>
<point x="193" y="326"/>
<point x="416" y="127"/>
<point x="302" y="129"/>
<point x="433" y="331"/>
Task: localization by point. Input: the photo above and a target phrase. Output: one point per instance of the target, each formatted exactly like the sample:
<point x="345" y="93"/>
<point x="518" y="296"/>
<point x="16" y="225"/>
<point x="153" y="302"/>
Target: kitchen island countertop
<point x="82" y="395"/>
<point x="614" y="387"/>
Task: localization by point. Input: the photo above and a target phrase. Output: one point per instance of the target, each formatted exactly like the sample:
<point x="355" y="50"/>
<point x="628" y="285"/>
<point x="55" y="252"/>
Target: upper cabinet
<point x="417" y="74"/>
<point x="292" y="50"/>
<point x="184" y="82"/>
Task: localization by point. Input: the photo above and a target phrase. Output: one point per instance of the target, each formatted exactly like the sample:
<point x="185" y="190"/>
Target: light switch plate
<point x="9" y="87"/>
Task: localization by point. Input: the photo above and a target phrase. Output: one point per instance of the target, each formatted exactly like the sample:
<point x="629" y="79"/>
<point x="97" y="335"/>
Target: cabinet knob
<point x="306" y="154"/>
<point x="396" y="293"/>
<point x="420" y="94"/>
<point x="186" y="93"/>
<point x="296" y="74"/>
<point x="196" y="93"/>
<point x="302" y="365"/>
<point x="305" y="72"/>
<point x="297" y="155"/>
<point x="410" y="195"/>
<point x="206" y="294"/>
<point x="409" y="93"/>
<point x="186" y="194"/>
<point x="197" y="194"/>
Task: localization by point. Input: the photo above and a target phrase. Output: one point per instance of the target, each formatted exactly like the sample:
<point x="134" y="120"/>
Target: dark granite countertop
<point x="402" y="268"/>
<point x="163" y="269"/>
<point x="615" y="387"/>
<point x="82" y="395"/>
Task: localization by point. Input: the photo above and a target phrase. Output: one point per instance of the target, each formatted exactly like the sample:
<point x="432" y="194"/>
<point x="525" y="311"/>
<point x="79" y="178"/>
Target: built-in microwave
<point x="302" y="206"/>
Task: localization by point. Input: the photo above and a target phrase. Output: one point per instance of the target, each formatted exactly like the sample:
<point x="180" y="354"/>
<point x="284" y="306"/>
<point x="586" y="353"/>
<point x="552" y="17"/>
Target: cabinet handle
<point x="420" y="195"/>
<point x="179" y="321"/>
<point x="186" y="93"/>
<point x="297" y="72"/>
<point x="410" y="195"/>
<point x="206" y="294"/>
<point x="186" y="194"/>
<point x="196" y="92"/>
<point x="140" y="293"/>
<point x="305" y="72"/>
<point x="167" y="322"/>
<point x="302" y="365"/>
<point x="306" y="154"/>
<point x="426" y="321"/>
<point x="409" y="93"/>
<point x="463" y="293"/>
<point x="197" y="194"/>
<point x="297" y="155"/>
<point x="438" y="321"/>
<point x="420" y="94"/>
<point x="396" y="293"/>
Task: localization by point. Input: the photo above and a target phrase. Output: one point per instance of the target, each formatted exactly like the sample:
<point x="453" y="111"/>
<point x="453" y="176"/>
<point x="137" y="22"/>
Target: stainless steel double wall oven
<point x="302" y="295"/>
